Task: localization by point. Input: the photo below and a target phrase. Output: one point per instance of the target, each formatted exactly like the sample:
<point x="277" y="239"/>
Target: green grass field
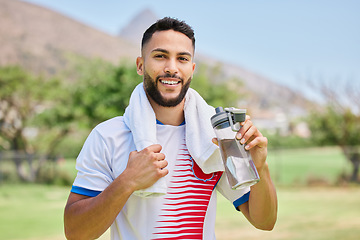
<point x="304" y="166"/>
<point x="304" y="213"/>
<point x="29" y="211"/>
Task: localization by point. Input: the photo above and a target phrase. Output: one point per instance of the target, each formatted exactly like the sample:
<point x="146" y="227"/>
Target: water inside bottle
<point x="239" y="167"/>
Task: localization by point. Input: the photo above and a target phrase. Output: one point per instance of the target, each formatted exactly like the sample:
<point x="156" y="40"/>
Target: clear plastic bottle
<point x="239" y="166"/>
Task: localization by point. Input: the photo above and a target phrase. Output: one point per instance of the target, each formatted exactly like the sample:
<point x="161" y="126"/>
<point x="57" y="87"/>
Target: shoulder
<point x="112" y="126"/>
<point x="112" y="130"/>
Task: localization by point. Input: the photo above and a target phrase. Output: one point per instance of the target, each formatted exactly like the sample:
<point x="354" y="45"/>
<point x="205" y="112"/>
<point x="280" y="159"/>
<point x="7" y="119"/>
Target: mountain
<point x="263" y="95"/>
<point x="134" y="30"/>
<point x="38" y="39"/>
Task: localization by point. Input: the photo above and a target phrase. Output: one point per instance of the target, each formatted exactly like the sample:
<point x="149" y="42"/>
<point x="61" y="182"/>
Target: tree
<point x="338" y="123"/>
<point x="103" y="90"/>
<point x="22" y="96"/>
<point x="100" y="90"/>
<point x="216" y="91"/>
<point x="38" y="114"/>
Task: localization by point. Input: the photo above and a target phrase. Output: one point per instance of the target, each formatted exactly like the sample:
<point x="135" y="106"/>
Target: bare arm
<point x="261" y="209"/>
<point x="89" y="217"/>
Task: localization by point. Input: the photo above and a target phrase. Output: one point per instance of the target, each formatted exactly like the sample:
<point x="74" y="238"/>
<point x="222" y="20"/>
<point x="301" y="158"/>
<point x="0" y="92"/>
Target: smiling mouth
<point x="170" y="82"/>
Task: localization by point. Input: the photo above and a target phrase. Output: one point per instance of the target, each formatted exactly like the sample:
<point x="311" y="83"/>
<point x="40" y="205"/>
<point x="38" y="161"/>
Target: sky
<point x="286" y="41"/>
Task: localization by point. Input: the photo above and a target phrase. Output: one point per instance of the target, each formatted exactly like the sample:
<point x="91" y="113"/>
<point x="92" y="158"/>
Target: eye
<point x="159" y="56"/>
<point x="184" y="59"/>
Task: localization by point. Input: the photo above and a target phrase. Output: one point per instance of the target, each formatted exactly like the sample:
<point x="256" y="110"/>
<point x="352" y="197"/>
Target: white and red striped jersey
<point x="187" y="211"/>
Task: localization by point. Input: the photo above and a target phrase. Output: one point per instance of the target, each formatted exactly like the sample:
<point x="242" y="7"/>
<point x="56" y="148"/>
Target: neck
<point x="169" y="115"/>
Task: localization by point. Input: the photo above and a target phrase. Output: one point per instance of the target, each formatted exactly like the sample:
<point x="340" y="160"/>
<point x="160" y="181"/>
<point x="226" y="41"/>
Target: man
<point x="114" y="174"/>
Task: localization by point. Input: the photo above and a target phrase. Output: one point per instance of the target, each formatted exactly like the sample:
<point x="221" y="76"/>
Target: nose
<point x="171" y="66"/>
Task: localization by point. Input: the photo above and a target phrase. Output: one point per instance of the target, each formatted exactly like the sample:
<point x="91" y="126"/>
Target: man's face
<point x="167" y="66"/>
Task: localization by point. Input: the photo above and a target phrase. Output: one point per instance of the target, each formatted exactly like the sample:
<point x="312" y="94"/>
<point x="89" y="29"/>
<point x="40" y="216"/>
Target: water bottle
<point x="239" y="166"/>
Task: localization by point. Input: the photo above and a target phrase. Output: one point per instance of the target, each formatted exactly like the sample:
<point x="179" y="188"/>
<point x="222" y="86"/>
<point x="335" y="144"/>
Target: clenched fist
<point x="146" y="166"/>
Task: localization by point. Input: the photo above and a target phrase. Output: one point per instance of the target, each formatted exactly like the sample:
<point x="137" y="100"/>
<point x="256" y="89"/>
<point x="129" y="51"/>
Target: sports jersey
<point x="187" y="211"/>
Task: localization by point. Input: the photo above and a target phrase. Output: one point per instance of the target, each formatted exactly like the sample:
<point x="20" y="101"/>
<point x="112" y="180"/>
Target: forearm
<point x="262" y="206"/>
<point x="88" y="218"/>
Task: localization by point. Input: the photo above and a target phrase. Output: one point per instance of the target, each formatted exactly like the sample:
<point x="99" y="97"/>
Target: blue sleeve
<point x="84" y="191"/>
<point x="243" y="199"/>
<point x="237" y="196"/>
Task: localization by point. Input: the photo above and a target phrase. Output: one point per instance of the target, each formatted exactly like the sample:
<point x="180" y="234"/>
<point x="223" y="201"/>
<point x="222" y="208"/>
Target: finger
<point x="154" y="148"/>
<point x="162" y="164"/>
<point x="159" y="156"/>
<point x="246" y="131"/>
<point x="153" y="151"/>
<point x="133" y="154"/>
<point x="163" y="172"/>
<point x="257" y="142"/>
<point x="244" y="126"/>
<point x="215" y="141"/>
<point x="248" y="134"/>
<point x="246" y="119"/>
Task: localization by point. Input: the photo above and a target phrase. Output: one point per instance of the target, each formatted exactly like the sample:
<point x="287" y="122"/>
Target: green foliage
<point x="59" y="112"/>
<point x="21" y="97"/>
<point x="341" y="127"/>
<point x="52" y="174"/>
<point x="338" y="123"/>
<point x="96" y="91"/>
<point x="335" y="127"/>
<point x="276" y="141"/>
<point x="216" y="91"/>
<point x="102" y="90"/>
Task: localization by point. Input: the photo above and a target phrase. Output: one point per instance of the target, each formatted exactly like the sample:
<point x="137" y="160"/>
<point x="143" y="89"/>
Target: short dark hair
<point x="168" y="23"/>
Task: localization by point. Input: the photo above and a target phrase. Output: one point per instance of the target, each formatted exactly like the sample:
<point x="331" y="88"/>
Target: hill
<point x="38" y="39"/>
<point x="266" y="98"/>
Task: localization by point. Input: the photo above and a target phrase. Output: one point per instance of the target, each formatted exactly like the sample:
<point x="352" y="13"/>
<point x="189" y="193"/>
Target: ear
<point x="193" y="69"/>
<point x="140" y="65"/>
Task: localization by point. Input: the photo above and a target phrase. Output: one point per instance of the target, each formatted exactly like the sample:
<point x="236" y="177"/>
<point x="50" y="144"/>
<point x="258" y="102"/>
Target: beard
<point x="153" y="92"/>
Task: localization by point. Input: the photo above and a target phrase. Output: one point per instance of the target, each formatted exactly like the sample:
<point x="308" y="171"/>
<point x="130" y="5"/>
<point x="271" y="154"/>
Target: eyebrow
<point x="167" y="52"/>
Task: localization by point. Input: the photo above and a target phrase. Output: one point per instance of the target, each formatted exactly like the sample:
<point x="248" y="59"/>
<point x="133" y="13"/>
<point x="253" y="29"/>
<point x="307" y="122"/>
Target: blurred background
<point x="66" y="66"/>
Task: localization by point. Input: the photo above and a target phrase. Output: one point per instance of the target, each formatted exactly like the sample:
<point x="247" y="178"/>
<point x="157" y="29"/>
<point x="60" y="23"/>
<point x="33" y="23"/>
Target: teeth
<point x="169" y="82"/>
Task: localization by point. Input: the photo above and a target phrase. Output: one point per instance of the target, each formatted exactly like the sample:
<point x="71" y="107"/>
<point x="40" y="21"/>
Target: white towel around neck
<point x="141" y="120"/>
